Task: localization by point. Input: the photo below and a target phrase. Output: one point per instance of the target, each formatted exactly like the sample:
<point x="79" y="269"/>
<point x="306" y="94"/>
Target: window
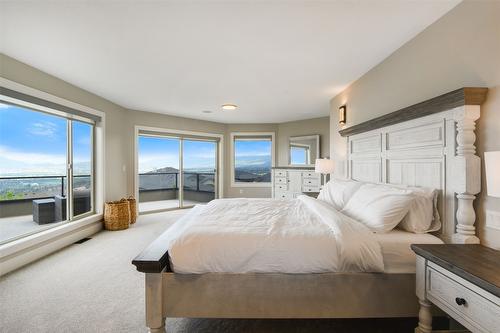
<point x="175" y="170"/>
<point x="46" y="168"/>
<point x="253" y="156"/>
<point x="299" y="154"/>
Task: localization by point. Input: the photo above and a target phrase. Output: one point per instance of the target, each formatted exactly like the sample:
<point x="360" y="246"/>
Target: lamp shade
<point x="492" y="166"/>
<point x="323" y="166"/>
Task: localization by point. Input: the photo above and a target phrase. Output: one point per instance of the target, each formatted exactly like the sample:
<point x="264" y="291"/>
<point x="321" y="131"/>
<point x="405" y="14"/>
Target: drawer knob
<point x="460" y="301"/>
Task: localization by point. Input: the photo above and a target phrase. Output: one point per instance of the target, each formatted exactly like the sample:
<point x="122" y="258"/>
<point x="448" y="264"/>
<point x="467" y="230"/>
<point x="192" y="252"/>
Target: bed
<point x="433" y="151"/>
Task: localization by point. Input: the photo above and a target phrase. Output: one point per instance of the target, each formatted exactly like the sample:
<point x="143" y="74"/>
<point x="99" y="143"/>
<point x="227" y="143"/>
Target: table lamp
<point x="324" y="166"/>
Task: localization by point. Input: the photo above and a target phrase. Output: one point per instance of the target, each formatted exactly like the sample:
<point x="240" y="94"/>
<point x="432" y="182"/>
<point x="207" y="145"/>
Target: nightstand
<point x="461" y="280"/>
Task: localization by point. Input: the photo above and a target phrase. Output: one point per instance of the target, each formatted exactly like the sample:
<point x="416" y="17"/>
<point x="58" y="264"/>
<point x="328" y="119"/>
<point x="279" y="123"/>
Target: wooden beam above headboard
<point x="455" y="98"/>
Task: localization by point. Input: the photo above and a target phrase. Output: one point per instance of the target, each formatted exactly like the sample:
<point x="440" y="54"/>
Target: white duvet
<point x="303" y="235"/>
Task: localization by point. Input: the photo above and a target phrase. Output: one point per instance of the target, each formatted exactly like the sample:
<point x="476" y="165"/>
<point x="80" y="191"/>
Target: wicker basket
<point x="133" y="209"/>
<point x="117" y="215"/>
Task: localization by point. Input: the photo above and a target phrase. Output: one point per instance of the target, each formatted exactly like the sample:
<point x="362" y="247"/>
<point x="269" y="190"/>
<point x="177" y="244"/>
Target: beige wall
<point x="120" y="123"/>
<point x="461" y="49"/>
<point x="303" y="127"/>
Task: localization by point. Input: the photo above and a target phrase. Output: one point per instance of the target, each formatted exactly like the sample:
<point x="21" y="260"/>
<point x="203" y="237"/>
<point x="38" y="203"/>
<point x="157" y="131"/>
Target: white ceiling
<point x="277" y="60"/>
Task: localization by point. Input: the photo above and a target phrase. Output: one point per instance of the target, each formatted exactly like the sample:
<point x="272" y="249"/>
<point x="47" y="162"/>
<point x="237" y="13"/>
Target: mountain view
<point x="168" y="178"/>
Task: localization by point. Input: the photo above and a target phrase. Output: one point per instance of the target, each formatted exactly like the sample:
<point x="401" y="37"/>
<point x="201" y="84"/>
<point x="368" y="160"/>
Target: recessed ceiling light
<point x="229" y="107"/>
<point x="207" y="111"/>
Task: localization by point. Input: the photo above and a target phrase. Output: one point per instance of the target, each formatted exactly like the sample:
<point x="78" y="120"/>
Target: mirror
<point x="303" y="150"/>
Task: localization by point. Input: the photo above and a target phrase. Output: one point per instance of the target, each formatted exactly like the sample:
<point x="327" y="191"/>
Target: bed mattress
<point x="297" y="236"/>
<point x="396" y="251"/>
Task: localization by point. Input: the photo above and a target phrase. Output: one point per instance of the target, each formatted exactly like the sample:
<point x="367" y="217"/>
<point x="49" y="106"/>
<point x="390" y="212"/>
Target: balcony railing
<point x="26" y="188"/>
<point x="193" y="181"/>
<point x="20" y="188"/>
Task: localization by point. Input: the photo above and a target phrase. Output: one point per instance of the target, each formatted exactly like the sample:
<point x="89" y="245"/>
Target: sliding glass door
<point x="81" y="172"/>
<point x="199" y="171"/>
<point x="175" y="171"/>
<point x="46" y="170"/>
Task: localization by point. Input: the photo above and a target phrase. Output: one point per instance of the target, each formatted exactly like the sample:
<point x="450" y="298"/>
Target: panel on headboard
<point x="425" y="173"/>
<point x="369" y="144"/>
<point x="421" y="136"/>
<point x="366" y="170"/>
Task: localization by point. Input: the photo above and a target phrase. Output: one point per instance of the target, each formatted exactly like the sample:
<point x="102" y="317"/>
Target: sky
<point x="252" y="153"/>
<point x="156" y="153"/>
<point x="298" y="156"/>
<point x="34" y="143"/>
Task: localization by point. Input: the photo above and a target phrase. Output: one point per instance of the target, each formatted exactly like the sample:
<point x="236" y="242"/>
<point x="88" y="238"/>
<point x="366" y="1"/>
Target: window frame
<point x="235" y="135"/>
<point x="81" y="114"/>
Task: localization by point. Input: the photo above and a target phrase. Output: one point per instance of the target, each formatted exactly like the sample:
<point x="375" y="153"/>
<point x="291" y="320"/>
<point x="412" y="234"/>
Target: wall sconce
<point x="342" y="114"/>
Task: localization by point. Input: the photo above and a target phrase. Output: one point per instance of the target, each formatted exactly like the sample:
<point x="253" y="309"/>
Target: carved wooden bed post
<point x="467" y="174"/>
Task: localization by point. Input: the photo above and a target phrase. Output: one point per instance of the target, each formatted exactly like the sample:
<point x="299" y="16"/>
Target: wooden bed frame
<point x="428" y="144"/>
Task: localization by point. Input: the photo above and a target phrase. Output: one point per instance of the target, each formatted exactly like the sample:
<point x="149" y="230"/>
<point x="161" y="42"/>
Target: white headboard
<point x="435" y="151"/>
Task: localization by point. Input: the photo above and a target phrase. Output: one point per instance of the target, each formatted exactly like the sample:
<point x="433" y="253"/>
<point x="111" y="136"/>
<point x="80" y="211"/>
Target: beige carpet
<point x="93" y="287"/>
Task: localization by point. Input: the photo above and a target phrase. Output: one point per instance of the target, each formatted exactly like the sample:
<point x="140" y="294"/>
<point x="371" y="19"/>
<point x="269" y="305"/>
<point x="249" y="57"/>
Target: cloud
<point x="31" y="158"/>
<point x="5" y="106"/>
<point x="44" y="128"/>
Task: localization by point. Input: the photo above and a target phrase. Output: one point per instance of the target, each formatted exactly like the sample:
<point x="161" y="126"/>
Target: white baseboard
<point x="13" y="256"/>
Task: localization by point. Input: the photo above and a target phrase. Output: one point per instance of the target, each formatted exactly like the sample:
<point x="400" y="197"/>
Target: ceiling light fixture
<point x="229" y="107"/>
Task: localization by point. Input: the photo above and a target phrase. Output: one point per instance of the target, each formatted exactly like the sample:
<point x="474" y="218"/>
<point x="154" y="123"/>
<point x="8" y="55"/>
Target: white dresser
<point x="289" y="183"/>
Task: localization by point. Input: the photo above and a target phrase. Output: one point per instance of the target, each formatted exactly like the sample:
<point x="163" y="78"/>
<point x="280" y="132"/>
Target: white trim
<point x="220" y="152"/>
<point x="231" y="157"/>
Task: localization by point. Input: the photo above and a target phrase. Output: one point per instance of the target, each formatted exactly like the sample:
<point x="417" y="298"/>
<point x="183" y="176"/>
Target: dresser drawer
<point x="280" y="173"/>
<point x="307" y="189"/>
<point x="309" y="174"/>
<point x="310" y="182"/>
<point x="280" y="180"/>
<point x="283" y="195"/>
<point x="446" y="291"/>
<point x="280" y="187"/>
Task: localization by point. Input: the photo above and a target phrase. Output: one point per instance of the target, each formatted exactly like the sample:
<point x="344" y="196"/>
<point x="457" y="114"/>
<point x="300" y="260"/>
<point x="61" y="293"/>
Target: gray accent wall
<point x="461" y="49"/>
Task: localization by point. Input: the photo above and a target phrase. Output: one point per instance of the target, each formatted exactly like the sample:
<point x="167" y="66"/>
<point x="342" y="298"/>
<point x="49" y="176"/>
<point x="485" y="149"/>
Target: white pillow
<point x="423" y="215"/>
<point x="379" y="207"/>
<point x="337" y="192"/>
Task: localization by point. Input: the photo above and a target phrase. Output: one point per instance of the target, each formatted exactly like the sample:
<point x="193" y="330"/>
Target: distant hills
<point x="167" y="178"/>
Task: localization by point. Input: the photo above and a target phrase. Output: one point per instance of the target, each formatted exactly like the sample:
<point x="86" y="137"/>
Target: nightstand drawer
<point x="280" y="180"/>
<point x="448" y="291"/>
<point x="280" y="187"/>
